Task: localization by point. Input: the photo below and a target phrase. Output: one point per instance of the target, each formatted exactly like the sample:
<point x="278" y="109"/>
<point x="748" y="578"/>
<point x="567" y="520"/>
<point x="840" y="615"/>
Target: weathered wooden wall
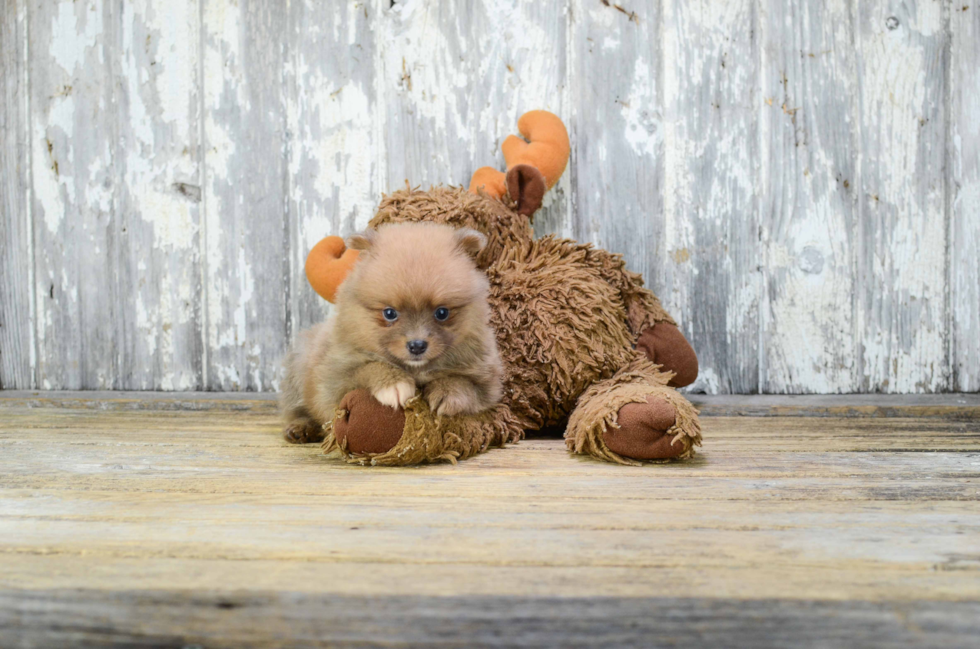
<point x="798" y="179"/>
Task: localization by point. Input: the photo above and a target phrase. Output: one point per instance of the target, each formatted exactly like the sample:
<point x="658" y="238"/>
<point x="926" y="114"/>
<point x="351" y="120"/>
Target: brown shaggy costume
<point x="584" y="344"/>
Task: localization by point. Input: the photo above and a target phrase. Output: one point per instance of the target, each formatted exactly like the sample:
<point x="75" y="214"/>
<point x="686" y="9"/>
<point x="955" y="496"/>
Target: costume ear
<point x="362" y="240"/>
<point x="526" y="186"/>
<point x="470" y="241"/>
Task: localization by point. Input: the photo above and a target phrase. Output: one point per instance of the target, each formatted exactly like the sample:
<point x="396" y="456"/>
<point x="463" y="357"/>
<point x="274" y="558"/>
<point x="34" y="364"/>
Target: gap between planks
<point x="955" y="406"/>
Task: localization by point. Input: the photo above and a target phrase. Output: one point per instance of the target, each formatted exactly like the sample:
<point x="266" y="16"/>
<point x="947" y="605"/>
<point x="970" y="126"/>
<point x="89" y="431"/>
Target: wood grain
<point x="17" y="352"/>
<point x="809" y="160"/>
<point x="332" y="138"/>
<point x="157" y="204"/>
<point x="205" y="527"/>
<point x="74" y="170"/>
<point x="902" y="329"/>
<point x="798" y="181"/>
<point x="160" y="619"/>
<point x="964" y="194"/>
<point x="617" y="93"/>
<point x="711" y="201"/>
<point x="245" y="193"/>
<point x="455" y="76"/>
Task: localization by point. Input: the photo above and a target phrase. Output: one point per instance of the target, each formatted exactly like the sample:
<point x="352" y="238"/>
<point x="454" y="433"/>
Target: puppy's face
<point x="415" y="296"/>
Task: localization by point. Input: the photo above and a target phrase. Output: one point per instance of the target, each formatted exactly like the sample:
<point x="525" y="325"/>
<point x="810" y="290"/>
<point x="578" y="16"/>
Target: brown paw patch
<point x="368" y="426"/>
<point x="665" y="345"/>
<point x="643" y="431"/>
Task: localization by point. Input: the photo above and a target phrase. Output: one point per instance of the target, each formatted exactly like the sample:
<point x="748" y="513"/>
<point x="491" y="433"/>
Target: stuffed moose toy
<point x="584" y="345"/>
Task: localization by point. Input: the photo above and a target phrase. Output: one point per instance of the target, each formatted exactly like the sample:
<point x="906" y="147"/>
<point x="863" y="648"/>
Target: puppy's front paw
<point x="395" y="396"/>
<point x="446" y="401"/>
<point x="303" y="431"/>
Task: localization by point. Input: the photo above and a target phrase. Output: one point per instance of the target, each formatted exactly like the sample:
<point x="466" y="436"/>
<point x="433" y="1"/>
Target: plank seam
<point x="31" y="253"/>
<point x="203" y="179"/>
<point x="951" y="374"/>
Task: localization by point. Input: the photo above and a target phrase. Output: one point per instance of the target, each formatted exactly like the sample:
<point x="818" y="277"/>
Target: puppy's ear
<point x="470" y="241"/>
<point x="362" y="240"/>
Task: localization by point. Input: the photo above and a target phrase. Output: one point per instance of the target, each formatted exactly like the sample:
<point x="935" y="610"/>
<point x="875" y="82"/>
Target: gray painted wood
<point x="714" y="256"/>
<point x="784" y="174"/>
<point x="114" y="108"/>
<point x="810" y="147"/>
<point x="215" y="618"/>
<point x="157" y="233"/>
<point x="901" y="240"/>
<point x="964" y="195"/>
<point x="616" y="86"/>
<point x="17" y="359"/>
<point x="247" y="232"/>
<point x="76" y="177"/>
<point x="455" y="76"/>
<point x="333" y="136"/>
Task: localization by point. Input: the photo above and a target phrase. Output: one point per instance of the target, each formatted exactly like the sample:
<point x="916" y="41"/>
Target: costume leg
<point x="367" y="432"/>
<point x="634" y="416"/>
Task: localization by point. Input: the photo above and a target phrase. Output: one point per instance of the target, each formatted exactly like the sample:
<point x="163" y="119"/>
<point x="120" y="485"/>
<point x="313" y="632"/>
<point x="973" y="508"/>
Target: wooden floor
<point x="186" y="521"/>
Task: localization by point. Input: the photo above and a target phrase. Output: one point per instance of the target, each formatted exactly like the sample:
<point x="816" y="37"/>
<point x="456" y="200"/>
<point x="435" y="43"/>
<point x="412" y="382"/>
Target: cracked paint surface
<point x="800" y="184"/>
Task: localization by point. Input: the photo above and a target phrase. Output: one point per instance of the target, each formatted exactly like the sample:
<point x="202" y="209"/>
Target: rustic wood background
<point x="797" y="179"/>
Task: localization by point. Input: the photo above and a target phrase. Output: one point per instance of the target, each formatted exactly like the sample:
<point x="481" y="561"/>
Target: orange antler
<point x="546" y="149"/>
<point x="327" y="265"/>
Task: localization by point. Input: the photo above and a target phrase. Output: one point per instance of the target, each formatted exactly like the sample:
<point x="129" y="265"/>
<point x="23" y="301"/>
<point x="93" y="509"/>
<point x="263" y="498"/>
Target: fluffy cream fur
<point x="419" y="272"/>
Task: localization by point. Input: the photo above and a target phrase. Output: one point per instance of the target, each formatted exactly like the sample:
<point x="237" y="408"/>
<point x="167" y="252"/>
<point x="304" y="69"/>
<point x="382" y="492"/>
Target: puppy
<point x="411" y="316"/>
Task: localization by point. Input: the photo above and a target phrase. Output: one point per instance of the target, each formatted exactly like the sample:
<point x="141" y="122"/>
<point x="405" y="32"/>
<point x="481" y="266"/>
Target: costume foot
<point x="642" y="432"/>
<point x="368" y="426"/>
<point x="303" y="431"/>
<point x="665" y="345"/>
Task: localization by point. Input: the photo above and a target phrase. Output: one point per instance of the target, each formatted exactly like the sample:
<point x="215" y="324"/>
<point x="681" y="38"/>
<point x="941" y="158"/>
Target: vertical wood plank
<point x="115" y="102"/>
<point x="156" y="58"/>
<point x="616" y="89"/>
<point x="244" y="193"/>
<point x="964" y="188"/>
<point x="334" y="128"/>
<point x="809" y="204"/>
<point x="713" y="264"/>
<point x="901" y="262"/>
<point x="74" y="172"/>
<point x="16" y="262"/>
<point x="456" y="76"/>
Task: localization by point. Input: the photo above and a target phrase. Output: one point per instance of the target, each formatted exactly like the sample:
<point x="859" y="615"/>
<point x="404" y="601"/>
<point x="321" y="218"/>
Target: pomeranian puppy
<point x="411" y="316"/>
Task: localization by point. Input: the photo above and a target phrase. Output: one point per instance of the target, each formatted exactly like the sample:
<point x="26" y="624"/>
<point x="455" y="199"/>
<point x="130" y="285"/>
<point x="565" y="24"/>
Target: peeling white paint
<point x="643" y="132"/>
<point x="74" y="30"/>
<point x="756" y="245"/>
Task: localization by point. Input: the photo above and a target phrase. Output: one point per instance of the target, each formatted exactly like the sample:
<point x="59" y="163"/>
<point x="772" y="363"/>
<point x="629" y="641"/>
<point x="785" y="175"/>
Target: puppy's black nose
<point x="417" y="347"/>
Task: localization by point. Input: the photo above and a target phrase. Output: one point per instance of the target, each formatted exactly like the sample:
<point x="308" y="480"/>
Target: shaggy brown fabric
<point x="566" y="316"/>
<point x="503" y="227"/>
<point x="665" y="345"/>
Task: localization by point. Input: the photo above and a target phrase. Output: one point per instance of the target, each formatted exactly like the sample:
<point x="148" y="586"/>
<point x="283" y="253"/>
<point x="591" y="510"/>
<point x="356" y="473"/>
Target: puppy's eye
<point x="389" y="314"/>
<point x="442" y="314"/>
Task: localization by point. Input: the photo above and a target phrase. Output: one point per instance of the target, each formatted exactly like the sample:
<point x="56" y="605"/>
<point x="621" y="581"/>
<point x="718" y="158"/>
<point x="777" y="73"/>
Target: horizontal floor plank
<point x="129" y="525"/>
<point x="220" y="619"/>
